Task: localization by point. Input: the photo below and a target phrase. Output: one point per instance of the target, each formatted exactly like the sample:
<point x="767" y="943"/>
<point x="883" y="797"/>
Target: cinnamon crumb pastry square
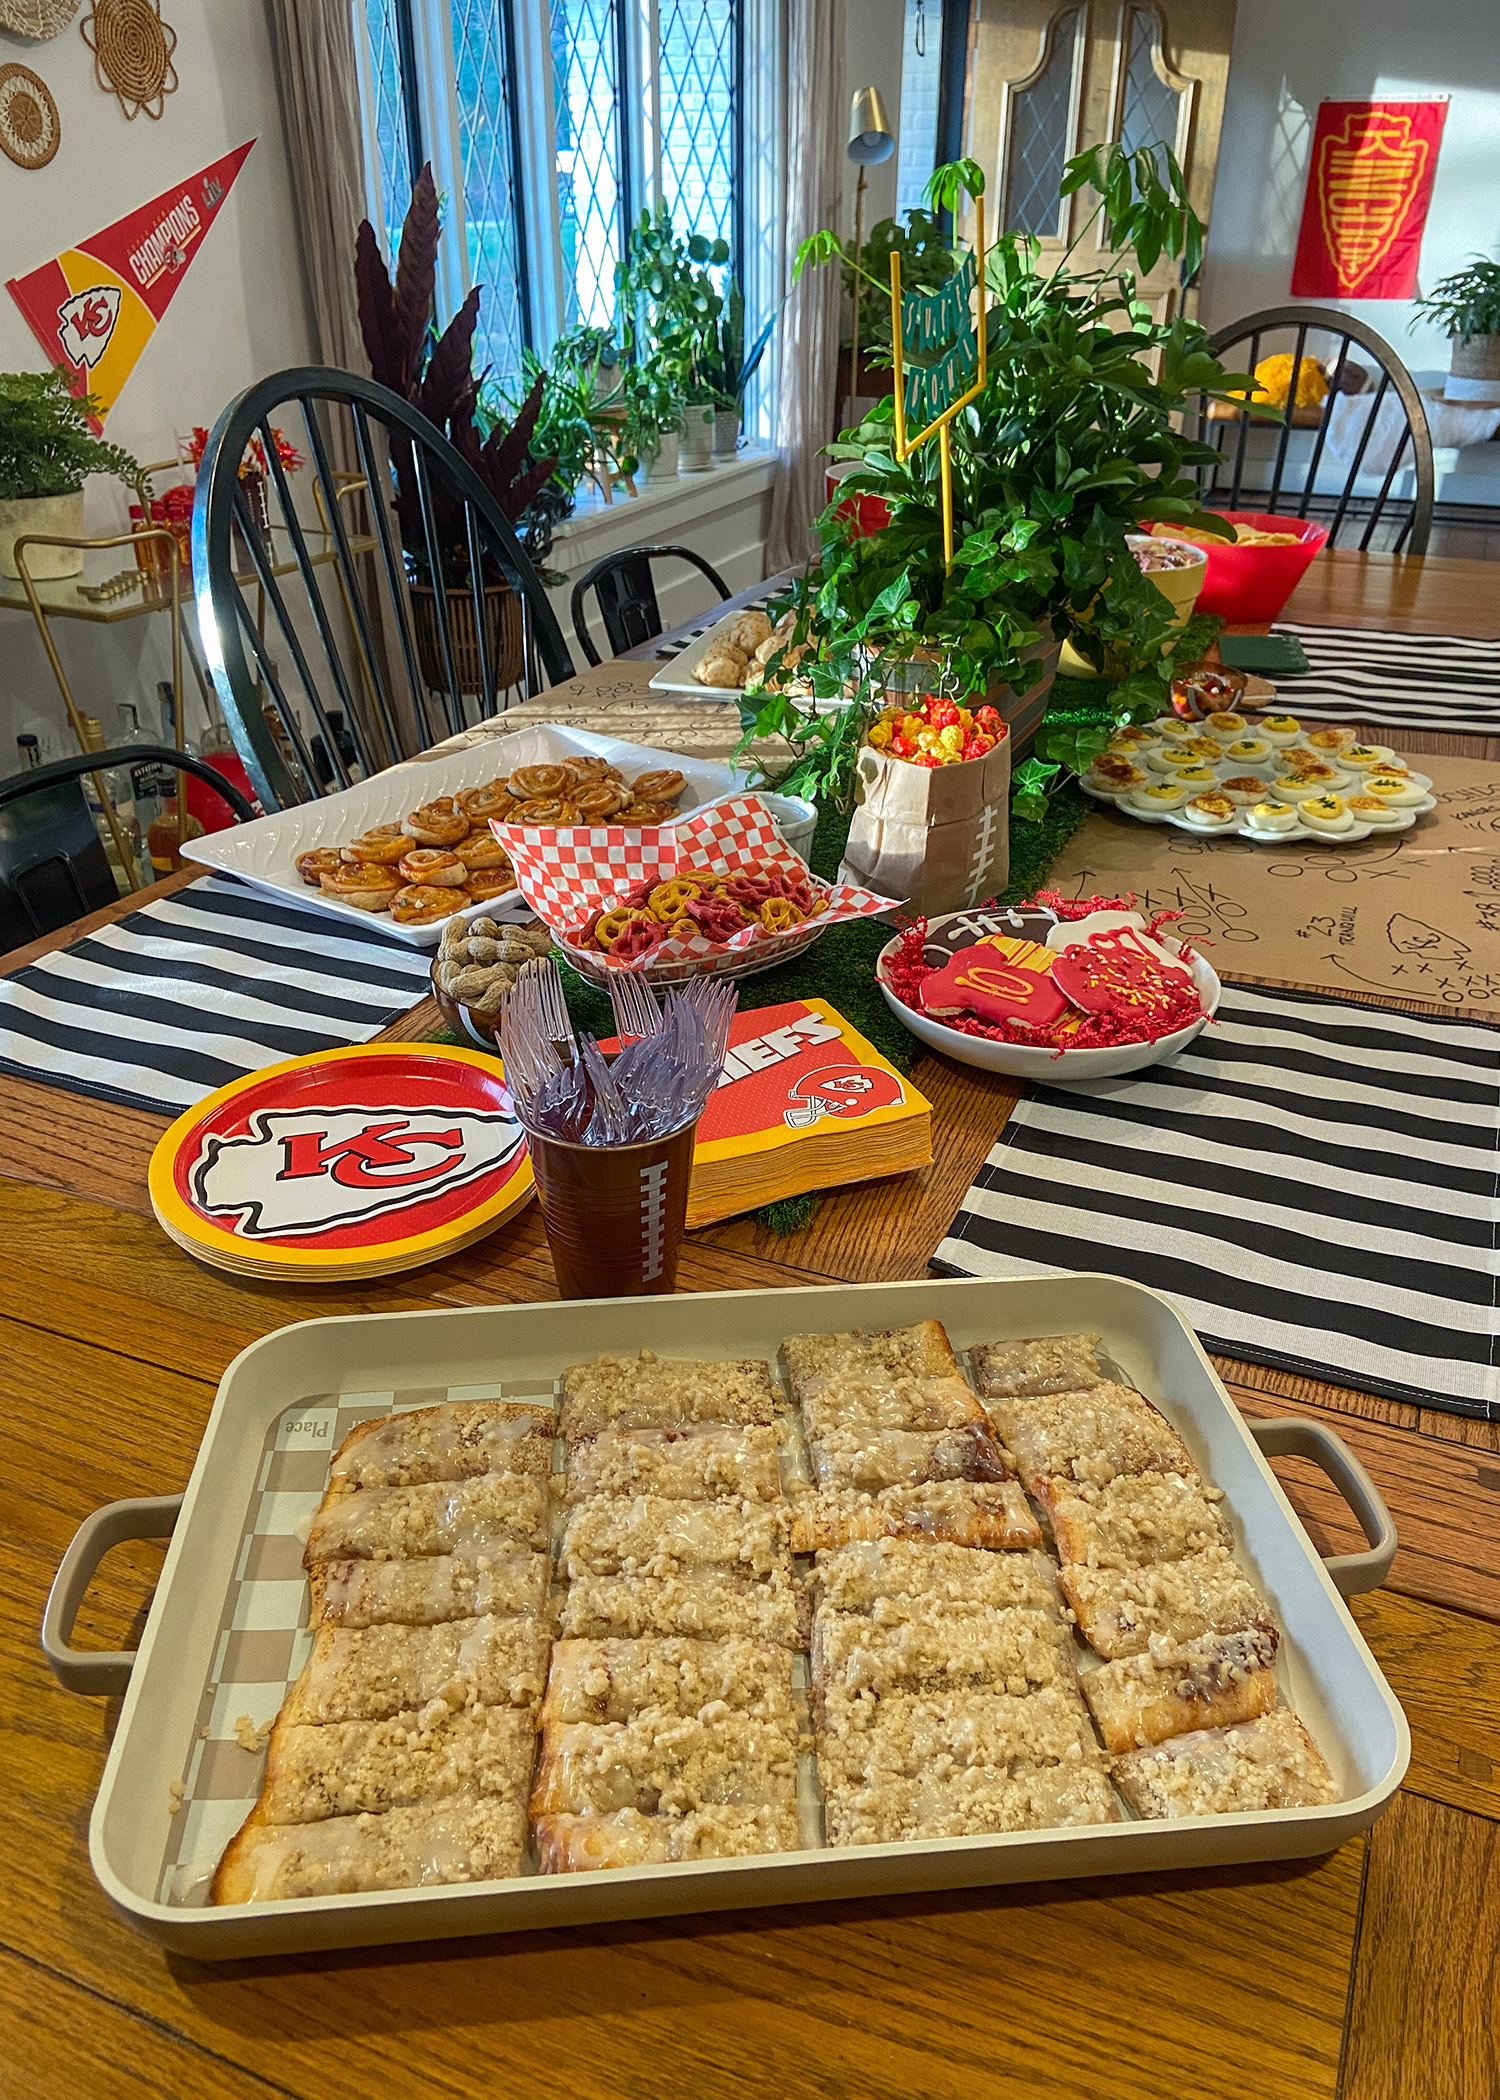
<point x="882" y="1458"/>
<point x="612" y="1679"/>
<point x="1012" y="1651"/>
<point x="699" y="1603"/>
<point x="816" y="1360"/>
<point x="1167" y="1690"/>
<point x="1088" y="1436"/>
<point x="465" y="1518"/>
<point x="969" y="1801"/>
<point x="707" y="1462"/>
<point x="455" y="1441"/>
<point x="373" y="1673"/>
<point x="1121" y="1610"/>
<point x="1269" y="1763"/>
<point x="465" y="1838"/>
<point x="960" y="1512"/>
<point x="649" y="1535"/>
<point x="624" y="1837"/>
<point x="666" y="1764"/>
<point x="432" y="1590"/>
<point x="651" y="1392"/>
<point x="906" y="1578"/>
<point x="1133" y="1521"/>
<point x="1062" y="1363"/>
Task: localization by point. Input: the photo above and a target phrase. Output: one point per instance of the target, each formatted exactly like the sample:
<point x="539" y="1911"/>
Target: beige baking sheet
<point x="1415" y="915"/>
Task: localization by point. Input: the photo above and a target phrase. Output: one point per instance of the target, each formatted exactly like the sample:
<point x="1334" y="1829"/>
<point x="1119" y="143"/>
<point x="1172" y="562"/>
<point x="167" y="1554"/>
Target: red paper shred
<point x="909" y="969"/>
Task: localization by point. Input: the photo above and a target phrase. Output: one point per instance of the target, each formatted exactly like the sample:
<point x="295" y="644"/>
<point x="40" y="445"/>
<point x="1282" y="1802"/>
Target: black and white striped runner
<point x="197" y="989"/>
<point x="1314" y="1183"/>
<point x="1395" y="681"/>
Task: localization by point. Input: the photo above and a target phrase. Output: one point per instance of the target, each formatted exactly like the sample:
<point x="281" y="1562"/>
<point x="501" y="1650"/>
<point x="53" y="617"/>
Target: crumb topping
<point x="1134" y="1520"/>
<point x="1089" y="1436"/>
<point x="705" y="1463"/>
<point x="456" y="1441"/>
<point x="465" y="1518"/>
<point x="1063" y="1363"/>
<point x="648" y="1535"/>
<point x="1269" y="1763"/>
<point x="1119" y="1610"/>
<point x="881" y="1458"/>
<point x="647" y="1392"/>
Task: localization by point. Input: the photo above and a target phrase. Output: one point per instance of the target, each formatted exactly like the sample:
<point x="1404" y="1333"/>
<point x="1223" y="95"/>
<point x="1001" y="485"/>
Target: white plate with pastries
<point x="1262" y="779"/>
<point x="722" y="657"/>
<point x="265" y="853"/>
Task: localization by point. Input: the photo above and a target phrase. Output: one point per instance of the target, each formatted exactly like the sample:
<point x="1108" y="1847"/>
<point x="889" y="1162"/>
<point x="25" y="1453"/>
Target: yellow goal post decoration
<point x="921" y="321"/>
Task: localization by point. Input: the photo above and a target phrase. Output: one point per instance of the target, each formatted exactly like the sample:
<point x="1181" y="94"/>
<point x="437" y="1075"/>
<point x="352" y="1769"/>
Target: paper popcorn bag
<point x="938" y="836"/>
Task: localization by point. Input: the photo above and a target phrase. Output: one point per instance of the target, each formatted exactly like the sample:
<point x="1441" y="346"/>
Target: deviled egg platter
<point x="1266" y="780"/>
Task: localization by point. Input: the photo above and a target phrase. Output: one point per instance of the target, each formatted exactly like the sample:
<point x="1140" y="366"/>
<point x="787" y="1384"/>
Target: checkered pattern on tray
<point x="263" y="1639"/>
<point x="568" y="876"/>
<point x="689" y="635"/>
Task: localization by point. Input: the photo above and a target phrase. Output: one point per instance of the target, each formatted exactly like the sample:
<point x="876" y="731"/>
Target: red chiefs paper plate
<point x="345" y="1164"/>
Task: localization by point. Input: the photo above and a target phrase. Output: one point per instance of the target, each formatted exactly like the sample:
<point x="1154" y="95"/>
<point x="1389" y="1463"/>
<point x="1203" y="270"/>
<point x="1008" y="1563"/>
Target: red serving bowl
<point x="1246" y="586"/>
<point x="871" y="513"/>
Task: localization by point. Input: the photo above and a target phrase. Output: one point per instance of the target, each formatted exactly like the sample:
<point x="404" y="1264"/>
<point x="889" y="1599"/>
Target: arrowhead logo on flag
<point x="1369" y="180"/>
<point x="95" y="307"/>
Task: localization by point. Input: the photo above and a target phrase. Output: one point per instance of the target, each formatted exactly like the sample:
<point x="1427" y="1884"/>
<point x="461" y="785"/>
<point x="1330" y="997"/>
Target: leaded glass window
<point x="699" y="87"/>
<point x="1040" y="128"/>
<point x="388" y="117"/>
<point x="585" y="58"/>
<point x="481" y="74"/>
<point x="1149" y="112"/>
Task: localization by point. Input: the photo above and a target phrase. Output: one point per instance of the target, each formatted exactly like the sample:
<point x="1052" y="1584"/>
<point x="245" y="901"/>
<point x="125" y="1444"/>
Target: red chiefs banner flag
<point x="95" y="307"/>
<point x="1368" y="185"/>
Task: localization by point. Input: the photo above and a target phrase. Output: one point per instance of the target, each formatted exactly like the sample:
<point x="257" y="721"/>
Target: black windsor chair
<point x="304" y="620"/>
<point x="1285" y="468"/>
<point x="625" y="592"/>
<point x="53" y="868"/>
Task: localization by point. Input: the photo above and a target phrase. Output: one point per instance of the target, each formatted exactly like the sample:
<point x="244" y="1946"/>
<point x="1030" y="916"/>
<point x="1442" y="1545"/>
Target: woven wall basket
<point x="38" y="19"/>
<point x="132" y="49"/>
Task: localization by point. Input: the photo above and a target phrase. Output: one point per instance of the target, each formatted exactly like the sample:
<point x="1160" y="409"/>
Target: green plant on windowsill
<point x="1467" y="304"/>
<point x="927" y="261"/>
<point x="1074" y="443"/>
<point x="727" y="366"/>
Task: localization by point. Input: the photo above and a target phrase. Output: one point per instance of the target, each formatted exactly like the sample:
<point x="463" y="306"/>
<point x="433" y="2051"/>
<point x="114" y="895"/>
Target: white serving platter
<point x="1300" y="834"/>
<point x="264" y="853"/>
<point x="1029" y="1061"/>
<point x="1324" y="1667"/>
<point x="676" y="674"/>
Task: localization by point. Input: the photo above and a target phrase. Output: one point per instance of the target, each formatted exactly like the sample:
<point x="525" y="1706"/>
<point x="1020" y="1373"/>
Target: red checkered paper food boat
<point x="569" y="876"/>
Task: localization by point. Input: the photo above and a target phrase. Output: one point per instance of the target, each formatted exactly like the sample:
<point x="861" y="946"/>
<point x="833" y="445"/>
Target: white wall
<point x="1289" y="57"/>
<point x="241" y="310"/>
<point x="874" y="32"/>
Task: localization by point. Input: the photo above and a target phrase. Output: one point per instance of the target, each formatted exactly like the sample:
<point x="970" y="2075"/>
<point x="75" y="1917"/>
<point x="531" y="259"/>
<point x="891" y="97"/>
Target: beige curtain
<point x="810" y="319"/>
<point x="320" y="107"/>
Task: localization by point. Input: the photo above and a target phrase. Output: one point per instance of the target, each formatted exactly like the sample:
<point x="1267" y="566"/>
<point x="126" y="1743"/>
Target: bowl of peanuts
<point x="477" y="962"/>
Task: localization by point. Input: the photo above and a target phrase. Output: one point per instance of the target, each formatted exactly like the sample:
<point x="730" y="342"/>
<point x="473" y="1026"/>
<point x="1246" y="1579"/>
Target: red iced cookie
<point x="1000" y="979"/>
<point x="1115" y="972"/>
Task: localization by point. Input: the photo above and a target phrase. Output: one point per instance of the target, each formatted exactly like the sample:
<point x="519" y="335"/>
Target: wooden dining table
<point x="1368" y="1974"/>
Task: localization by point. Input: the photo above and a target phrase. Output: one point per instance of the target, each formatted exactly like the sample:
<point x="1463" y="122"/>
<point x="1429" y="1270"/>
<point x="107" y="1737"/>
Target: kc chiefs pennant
<point x="1368" y="184"/>
<point x="95" y="307"/>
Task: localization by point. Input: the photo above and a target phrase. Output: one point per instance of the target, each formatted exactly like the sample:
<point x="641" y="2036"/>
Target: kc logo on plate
<point x="313" y="1170"/>
<point x="842" y="1093"/>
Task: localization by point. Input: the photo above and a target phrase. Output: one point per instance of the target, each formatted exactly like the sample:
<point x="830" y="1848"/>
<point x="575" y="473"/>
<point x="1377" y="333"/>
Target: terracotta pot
<point x="502" y="634"/>
<point x="23" y="515"/>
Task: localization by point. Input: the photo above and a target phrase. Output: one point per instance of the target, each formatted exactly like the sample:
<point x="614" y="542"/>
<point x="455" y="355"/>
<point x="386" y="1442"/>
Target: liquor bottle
<point x="136" y="788"/>
<point x="30" y="750"/>
<point x="167" y="831"/>
<point x="93" y="740"/>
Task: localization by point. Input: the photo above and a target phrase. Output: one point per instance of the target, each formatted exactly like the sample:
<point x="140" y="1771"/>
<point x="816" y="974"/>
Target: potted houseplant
<point x="1467" y="305"/>
<point x="1072" y="446"/>
<point x="730" y="369"/>
<point x="436" y="374"/>
<point x="650" y="421"/>
<point x="669" y="302"/>
<point x="46" y="449"/>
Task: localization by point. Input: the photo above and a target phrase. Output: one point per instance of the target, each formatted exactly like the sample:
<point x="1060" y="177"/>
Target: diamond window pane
<point x="1039" y="137"/>
<point x="393" y="142"/>
<point x="584" y="87"/>
<point x="921" y="78"/>
<point x="1149" y="117"/>
<point x="484" y="109"/>
<point x="698" y="115"/>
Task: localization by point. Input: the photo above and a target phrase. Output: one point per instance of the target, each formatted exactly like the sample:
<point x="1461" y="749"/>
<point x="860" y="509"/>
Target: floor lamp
<point x="871" y="140"/>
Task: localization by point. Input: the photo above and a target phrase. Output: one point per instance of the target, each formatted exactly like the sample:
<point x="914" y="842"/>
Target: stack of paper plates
<point x="348" y="1164"/>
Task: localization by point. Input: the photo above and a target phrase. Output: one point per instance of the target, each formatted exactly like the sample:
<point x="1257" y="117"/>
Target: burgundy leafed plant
<point x="438" y="377"/>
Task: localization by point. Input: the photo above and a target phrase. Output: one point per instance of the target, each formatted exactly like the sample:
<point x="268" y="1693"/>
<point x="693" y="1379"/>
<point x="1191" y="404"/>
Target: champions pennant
<point x="1369" y="180"/>
<point x="95" y="307"/>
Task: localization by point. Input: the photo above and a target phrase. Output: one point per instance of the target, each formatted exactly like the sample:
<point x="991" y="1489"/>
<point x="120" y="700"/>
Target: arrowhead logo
<point x="86" y="323"/>
<point x="304" y="1171"/>
<point x="1367" y="179"/>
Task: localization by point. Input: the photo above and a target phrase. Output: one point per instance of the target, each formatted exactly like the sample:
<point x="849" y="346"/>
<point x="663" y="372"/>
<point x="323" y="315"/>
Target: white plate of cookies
<point x="412" y="848"/>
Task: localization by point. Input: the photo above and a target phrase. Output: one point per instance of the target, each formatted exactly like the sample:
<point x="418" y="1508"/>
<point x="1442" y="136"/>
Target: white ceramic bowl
<point x="1025" y="1061"/>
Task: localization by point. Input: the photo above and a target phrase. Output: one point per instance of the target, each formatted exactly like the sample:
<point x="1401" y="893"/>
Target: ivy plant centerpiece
<point x="46" y="451"/>
<point x="1074" y="443"/>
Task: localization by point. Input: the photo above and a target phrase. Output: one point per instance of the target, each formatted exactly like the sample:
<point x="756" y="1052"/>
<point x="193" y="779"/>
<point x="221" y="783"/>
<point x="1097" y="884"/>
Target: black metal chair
<point x="52" y="867"/>
<point x="626" y="593"/>
<point x="1275" y="471"/>
<point x="302" y="619"/>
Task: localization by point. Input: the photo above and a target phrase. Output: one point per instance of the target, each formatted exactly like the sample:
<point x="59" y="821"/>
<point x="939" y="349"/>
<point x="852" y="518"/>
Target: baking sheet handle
<point x="99" y="1672"/>
<point x="1294" y="1436"/>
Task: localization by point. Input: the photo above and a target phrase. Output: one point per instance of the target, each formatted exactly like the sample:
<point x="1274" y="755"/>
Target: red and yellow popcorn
<point x="936" y="732"/>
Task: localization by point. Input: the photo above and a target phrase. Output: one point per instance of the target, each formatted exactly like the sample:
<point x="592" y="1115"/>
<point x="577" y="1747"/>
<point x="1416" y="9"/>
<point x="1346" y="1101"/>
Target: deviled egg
<point x="1167" y="757"/>
<point x="1226" y="727"/>
<point x="1330" y="742"/>
<point x="1273" y="816"/>
<point x="1206" y="748"/>
<point x="1279" y="729"/>
<point x="1295" y="787"/>
<point x="1391" y="788"/>
<point x="1369" y="809"/>
<point x="1195" y="776"/>
<point x="1248" y="750"/>
<point x="1314" y="773"/>
<point x="1366" y="758"/>
<point x="1112" y="773"/>
<point x="1243" y="789"/>
<point x="1326" y="813"/>
<point x="1209" y="812"/>
<point x="1132" y="739"/>
<point x="1171" y="726"/>
<point x="1159" y="797"/>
